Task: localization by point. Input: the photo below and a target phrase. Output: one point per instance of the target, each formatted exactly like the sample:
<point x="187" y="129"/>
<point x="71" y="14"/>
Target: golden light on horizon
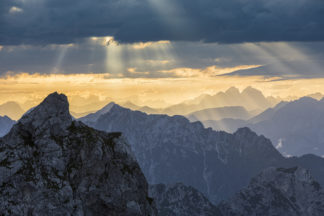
<point x="143" y="91"/>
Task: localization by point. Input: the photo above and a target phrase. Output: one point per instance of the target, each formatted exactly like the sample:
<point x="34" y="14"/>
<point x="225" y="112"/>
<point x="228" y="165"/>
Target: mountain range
<point x="250" y="99"/>
<point x="172" y="149"/>
<point x="52" y="164"/>
<point x="295" y="128"/>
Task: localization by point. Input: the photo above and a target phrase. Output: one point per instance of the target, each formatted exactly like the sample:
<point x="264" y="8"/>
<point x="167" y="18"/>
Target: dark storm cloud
<point x="292" y="70"/>
<point x="224" y="21"/>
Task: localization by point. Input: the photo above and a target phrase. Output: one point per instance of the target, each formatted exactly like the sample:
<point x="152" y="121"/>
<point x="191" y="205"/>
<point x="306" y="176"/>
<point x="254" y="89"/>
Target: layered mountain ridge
<point x="295" y="128"/>
<point x="219" y="164"/>
<point x="250" y="99"/>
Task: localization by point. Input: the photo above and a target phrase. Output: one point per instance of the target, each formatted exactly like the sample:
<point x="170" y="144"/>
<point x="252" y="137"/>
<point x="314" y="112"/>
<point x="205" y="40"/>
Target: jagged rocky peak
<point x="253" y="143"/>
<point x="107" y="108"/>
<point x="50" y="165"/>
<point x="52" y="114"/>
<point x="245" y="131"/>
<point x="95" y="116"/>
<point x="179" y="199"/>
<point x="278" y="191"/>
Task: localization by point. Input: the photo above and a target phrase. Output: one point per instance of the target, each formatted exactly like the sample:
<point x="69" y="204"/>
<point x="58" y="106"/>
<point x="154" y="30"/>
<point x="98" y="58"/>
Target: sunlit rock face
<point x="171" y="150"/>
<point x="52" y="165"/>
<point x="278" y="191"/>
<point x="179" y="199"/>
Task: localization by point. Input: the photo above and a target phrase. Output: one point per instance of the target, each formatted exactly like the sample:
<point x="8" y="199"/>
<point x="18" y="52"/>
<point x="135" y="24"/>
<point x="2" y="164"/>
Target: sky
<point x="159" y="52"/>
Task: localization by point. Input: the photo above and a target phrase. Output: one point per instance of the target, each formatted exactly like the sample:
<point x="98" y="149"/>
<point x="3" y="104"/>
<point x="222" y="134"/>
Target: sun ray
<point x="60" y="58"/>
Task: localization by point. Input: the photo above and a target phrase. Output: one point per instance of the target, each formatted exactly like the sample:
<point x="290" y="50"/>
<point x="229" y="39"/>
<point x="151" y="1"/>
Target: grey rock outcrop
<point x="278" y="191"/>
<point x="52" y="165"/>
<point x="179" y="199"/>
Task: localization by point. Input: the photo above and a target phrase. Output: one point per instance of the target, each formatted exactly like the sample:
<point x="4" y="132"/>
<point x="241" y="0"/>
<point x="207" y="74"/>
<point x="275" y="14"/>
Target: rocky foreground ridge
<point x="52" y="165"/>
<point x="179" y="199"/>
<point x="278" y="191"/>
<point x="274" y="192"/>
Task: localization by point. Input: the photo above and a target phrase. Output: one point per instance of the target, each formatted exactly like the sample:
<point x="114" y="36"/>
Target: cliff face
<point x="278" y="191"/>
<point x="50" y="164"/>
<point x="179" y="199"/>
<point x="172" y="149"/>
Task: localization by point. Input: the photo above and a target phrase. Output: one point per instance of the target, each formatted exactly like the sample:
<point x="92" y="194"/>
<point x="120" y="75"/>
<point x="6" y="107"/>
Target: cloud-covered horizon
<point x="41" y="22"/>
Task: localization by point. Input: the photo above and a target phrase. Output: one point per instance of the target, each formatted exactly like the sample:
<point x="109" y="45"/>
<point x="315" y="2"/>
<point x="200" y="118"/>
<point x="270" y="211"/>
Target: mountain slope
<point x="51" y="164"/>
<point x="94" y="116"/>
<point x="171" y="150"/>
<point x="5" y="125"/>
<point x="11" y="109"/>
<point x="296" y="128"/>
<point x="178" y="199"/>
<point x="278" y="191"/>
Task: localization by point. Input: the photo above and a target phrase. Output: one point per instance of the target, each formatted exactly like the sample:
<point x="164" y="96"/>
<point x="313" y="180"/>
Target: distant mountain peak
<point x="11" y="109"/>
<point x="107" y="108"/>
<point x="305" y="99"/>
<point x="233" y="91"/>
<point x="251" y="90"/>
<point x="244" y="131"/>
<point x="109" y="105"/>
<point x="95" y="116"/>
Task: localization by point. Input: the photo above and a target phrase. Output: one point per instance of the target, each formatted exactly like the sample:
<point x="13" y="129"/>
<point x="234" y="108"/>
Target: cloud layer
<point x="284" y="60"/>
<point x="225" y="21"/>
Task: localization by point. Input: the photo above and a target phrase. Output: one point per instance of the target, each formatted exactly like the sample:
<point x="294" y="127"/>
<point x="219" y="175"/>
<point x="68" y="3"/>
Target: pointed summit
<point x="51" y="164"/>
<point x="94" y="116"/>
<point x="106" y="108"/>
<point x="233" y="91"/>
<point x="251" y="91"/>
<point x="53" y="113"/>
